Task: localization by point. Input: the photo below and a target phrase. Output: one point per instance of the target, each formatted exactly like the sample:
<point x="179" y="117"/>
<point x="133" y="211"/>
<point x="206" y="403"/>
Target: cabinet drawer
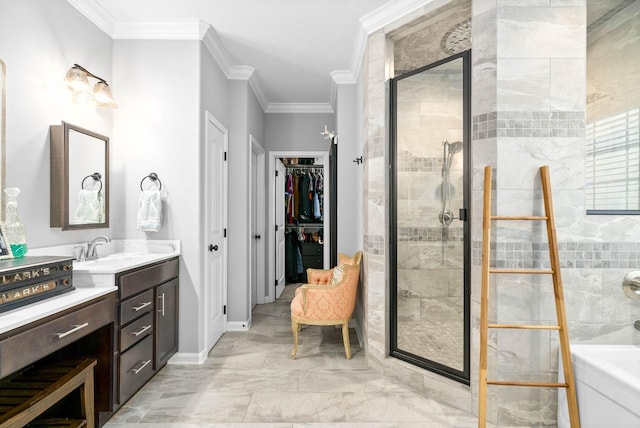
<point x="141" y="279"/>
<point x="136" y="331"/>
<point x="315" y="262"/>
<point x="136" y="368"/>
<point x="37" y="342"/>
<point x="136" y="306"/>
<point x="311" y="249"/>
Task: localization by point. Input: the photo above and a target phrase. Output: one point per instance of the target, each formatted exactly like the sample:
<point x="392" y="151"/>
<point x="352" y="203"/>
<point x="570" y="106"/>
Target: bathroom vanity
<point x="147" y="333"/>
<point x="123" y="313"/>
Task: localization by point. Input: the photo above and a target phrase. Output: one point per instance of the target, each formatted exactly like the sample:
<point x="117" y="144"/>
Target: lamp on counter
<point x="77" y="81"/>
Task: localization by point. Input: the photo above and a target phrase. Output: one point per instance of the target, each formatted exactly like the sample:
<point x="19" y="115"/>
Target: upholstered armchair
<point x="328" y="298"/>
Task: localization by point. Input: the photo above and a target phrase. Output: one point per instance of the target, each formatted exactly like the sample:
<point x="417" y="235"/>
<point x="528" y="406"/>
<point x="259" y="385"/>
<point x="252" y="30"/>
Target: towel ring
<point x="153" y="177"/>
<point x="96" y="177"/>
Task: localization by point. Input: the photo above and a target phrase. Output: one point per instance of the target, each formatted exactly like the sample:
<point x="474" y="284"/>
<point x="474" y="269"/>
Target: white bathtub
<point x="608" y="386"/>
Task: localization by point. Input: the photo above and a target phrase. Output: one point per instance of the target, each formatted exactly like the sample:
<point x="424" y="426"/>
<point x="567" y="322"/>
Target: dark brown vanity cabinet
<point x="148" y="324"/>
<point x="166" y="322"/>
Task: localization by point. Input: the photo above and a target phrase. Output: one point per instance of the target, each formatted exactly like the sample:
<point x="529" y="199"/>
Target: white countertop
<point x="91" y="279"/>
<point x="34" y="311"/>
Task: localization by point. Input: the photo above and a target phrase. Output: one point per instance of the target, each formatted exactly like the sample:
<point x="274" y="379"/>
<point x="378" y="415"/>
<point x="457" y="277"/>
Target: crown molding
<point x="245" y="72"/>
<point x="343" y="77"/>
<point x="214" y="44"/>
<point x="96" y="14"/>
<point x="299" y="108"/>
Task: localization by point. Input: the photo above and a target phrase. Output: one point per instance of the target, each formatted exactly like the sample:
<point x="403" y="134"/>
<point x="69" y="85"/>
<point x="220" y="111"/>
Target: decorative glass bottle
<point x="13" y="227"/>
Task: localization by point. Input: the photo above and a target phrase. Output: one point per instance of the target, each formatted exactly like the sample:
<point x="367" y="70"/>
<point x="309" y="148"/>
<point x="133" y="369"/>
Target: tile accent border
<point x="573" y="255"/>
<point x="407" y="161"/>
<point x="430" y="234"/>
<point x="528" y="124"/>
<point x="374" y="244"/>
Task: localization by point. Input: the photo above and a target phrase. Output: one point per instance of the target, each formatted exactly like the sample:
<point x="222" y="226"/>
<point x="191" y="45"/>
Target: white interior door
<point x="255" y="232"/>
<point x="216" y="223"/>
<point x="280" y="226"/>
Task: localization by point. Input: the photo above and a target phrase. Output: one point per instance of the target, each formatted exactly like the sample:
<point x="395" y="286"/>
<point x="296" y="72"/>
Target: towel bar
<point x="153" y="177"/>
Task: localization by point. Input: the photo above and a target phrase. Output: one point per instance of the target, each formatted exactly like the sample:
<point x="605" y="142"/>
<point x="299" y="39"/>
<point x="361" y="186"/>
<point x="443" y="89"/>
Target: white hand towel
<point x="149" y="211"/>
<point x="90" y="208"/>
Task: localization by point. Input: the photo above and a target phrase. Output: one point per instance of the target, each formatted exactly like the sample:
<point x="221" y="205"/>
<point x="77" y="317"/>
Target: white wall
<point x="39" y="42"/>
<point x="158" y="129"/>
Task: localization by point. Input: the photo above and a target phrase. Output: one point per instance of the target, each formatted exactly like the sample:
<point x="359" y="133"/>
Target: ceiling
<point x="292" y="46"/>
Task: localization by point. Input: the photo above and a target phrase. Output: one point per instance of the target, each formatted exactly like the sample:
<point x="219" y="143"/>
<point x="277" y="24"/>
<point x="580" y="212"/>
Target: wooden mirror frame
<point x="60" y="212"/>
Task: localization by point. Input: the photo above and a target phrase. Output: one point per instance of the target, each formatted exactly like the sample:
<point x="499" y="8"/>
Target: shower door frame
<point x="463" y="376"/>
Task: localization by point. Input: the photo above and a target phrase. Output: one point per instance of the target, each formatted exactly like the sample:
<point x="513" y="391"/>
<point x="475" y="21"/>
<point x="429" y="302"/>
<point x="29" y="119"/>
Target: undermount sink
<point x="117" y="262"/>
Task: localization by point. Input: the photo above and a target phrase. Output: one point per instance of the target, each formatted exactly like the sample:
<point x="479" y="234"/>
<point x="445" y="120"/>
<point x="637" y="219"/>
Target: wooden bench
<point x="27" y="394"/>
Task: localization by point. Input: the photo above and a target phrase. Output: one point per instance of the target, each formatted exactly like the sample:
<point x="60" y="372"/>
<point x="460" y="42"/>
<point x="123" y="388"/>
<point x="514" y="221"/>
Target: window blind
<point x="613" y="162"/>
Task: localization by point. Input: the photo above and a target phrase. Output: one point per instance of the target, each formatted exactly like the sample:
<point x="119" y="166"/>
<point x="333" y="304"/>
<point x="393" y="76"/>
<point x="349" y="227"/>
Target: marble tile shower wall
<point x="529" y="62"/>
<point x="375" y="209"/>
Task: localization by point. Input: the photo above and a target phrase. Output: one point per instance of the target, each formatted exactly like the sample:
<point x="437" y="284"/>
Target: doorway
<point x="277" y="217"/>
<point x="216" y="197"/>
<point x="258" y="220"/>
<point x="431" y="250"/>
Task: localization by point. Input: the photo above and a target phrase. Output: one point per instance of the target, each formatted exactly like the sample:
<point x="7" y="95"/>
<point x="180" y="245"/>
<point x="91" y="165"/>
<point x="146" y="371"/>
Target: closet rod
<point x="296" y="166"/>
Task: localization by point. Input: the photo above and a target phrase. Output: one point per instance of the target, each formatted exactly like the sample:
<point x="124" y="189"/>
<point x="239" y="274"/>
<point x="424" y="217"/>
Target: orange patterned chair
<point x="328" y="299"/>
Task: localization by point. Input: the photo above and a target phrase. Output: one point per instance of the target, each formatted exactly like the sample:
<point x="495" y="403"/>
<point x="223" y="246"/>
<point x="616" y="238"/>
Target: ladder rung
<point x="516" y="383"/>
<point x="519" y="217"/>
<point x="525" y="327"/>
<point x="522" y="271"/>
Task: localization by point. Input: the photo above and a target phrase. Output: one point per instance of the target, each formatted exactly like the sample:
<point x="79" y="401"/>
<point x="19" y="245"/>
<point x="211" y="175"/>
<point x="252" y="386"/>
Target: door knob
<point x="256" y="236"/>
<point x="213" y="247"/>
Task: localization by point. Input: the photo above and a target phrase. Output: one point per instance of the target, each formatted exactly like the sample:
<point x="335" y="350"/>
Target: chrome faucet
<point x="92" y="252"/>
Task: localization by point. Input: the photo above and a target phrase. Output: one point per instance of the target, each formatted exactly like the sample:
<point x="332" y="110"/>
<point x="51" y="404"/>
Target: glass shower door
<point x="430" y="182"/>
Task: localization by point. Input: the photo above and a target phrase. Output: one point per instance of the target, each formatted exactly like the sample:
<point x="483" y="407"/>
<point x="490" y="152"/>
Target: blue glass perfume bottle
<point x="16" y="234"/>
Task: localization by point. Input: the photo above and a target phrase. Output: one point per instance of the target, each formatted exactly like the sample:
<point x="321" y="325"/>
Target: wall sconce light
<point x="77" y="81"/>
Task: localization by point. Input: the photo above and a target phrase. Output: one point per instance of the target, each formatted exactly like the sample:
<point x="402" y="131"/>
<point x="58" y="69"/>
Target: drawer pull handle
<point x="142" y="364"/>
<point x="142" y="306"/>
<point x="142" y="330"/>
<point x="73" y="330"/>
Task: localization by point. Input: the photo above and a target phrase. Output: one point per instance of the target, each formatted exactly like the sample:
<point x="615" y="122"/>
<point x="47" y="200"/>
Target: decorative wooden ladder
<point x="569" y="384"/>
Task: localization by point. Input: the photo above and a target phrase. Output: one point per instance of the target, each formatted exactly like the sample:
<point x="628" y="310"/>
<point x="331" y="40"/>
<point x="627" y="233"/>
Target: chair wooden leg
<point x="345" y="339"/>
<point x="295" y="327"/>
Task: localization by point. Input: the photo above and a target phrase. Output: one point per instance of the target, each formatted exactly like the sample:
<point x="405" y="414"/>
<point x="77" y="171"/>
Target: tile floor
<point x="249" y="380"/>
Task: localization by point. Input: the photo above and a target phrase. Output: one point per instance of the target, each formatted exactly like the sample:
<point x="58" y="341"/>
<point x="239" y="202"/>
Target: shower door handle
<point x="462" y="214"/>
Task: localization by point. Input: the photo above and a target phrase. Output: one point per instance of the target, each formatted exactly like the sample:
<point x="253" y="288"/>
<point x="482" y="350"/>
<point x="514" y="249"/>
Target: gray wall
<point x="297" y="131"/>
<point x="247" y="119"/>
<point x="349" y="173"/>
<point x="39" y="42"/>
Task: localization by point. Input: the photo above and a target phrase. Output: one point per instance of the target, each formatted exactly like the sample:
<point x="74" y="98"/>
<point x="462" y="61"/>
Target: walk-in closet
<point x="304" y="217"/>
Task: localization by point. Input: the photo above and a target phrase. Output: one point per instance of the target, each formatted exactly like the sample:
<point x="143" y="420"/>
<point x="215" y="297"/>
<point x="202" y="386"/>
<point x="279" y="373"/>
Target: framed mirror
<point x="3" y="123"/>
<point x="79" y="178"/>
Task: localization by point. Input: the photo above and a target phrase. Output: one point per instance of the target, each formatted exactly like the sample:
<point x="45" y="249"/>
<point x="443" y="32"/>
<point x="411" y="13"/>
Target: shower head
<point x="454" y="147"/>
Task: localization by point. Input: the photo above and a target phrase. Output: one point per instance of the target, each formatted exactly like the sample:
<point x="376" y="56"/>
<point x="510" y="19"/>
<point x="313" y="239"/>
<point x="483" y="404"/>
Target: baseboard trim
<point x="188" y="358"/>
<point x="238" y="325"/>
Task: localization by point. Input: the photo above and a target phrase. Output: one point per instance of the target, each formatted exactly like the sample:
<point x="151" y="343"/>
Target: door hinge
<point x="276" y="227"/>
<point x="276" y="173"/>
<point x="225" y="156"/>
<point x="225" y="232"/>
<point x="224" y="310"/>
<point x="462" y="214"/>
<point x="276" y="282"/>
